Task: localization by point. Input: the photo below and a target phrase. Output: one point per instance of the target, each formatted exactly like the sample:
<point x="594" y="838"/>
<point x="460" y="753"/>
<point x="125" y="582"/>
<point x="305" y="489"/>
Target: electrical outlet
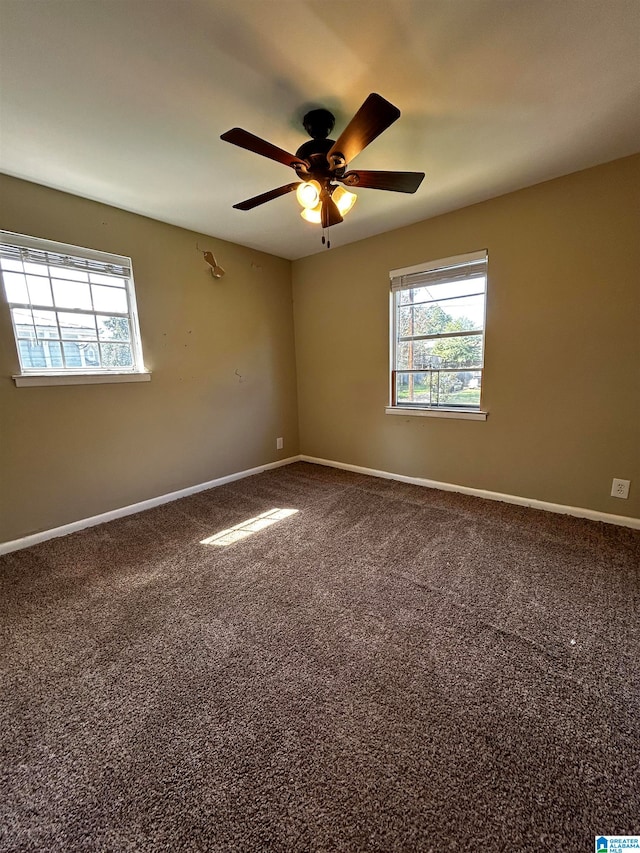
<point x="620" y="488"/>
<point x="279" y="443"/>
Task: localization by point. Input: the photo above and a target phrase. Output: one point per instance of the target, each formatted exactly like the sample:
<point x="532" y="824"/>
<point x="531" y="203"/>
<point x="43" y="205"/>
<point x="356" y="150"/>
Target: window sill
<point x="29" y="380"/>
<point x="459" y="414"/>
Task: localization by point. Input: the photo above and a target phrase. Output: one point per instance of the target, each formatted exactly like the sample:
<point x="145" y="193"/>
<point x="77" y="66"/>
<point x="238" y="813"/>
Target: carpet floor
<point x="389" y="668"/>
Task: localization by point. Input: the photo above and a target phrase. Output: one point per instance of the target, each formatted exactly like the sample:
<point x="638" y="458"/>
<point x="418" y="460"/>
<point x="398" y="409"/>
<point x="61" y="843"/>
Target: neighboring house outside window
<point x="437" y="336"/>
<point x="73" y="311"/>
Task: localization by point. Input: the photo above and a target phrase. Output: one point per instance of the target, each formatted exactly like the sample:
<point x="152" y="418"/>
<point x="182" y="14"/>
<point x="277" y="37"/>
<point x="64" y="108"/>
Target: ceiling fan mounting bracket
<point x="318" y="123"/>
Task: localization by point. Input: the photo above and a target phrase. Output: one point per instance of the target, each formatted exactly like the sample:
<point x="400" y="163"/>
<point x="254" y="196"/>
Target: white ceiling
<point x="124" y="101"/>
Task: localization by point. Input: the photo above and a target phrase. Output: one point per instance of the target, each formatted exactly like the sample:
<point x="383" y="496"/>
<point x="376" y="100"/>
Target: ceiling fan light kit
<point x="321" y="163"/>
<point x="343" y="199"/>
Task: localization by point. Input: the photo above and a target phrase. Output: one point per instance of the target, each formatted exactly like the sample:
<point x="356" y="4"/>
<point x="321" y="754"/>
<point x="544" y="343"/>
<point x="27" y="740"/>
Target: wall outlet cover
<point x="620" y="488"/>
<point x="279" y="443"/>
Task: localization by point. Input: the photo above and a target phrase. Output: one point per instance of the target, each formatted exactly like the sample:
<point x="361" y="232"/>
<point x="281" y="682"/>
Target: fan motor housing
<point x="315" y="152"/>
<point x="318" y="124"/>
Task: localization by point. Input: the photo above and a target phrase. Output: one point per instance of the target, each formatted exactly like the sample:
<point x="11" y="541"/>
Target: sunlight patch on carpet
<point x="248" y="527"/>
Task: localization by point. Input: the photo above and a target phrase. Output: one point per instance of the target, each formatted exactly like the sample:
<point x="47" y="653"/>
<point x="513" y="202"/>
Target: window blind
<point x="447" y="269"/>
<point x="16" y="247"/>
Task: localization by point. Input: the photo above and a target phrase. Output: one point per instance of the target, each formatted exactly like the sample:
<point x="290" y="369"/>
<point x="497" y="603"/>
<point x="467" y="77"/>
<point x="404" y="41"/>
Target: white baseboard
<point x="579" y="512"/>
<point x="33" y="539"/>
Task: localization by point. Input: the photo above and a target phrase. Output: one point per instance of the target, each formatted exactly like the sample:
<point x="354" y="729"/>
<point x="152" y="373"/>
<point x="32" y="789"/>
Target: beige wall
<point x="562" y="381"/>
<point x="67" y="453"/>
<point x="562" y="378"/>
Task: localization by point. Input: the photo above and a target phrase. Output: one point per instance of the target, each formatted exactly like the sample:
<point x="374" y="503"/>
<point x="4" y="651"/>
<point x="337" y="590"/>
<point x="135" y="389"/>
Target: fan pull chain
<point x="324" y="240"/>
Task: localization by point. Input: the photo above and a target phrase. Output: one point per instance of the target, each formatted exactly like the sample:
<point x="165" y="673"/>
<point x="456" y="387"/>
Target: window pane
<point x="15" y="286"/>
<point x="116" y="355"/>
<point x="458" y="389"/>
<point x="8" y="264"/>
<point x="460" y="351"/>
<point x="434" y="318"/>
<point x="71" y="294"/>
<point x="78" y="355"/>
<point x="109" y="299"/>
<point x="23" y="321"/>
<point x="113" y="328"/>
<point x="69" y="274"/>
<point x="91" y="354"/>
<point x="440" y="388"/>
<point x="443" y="290"/>
<point x="36" y="269"/>
<point x="72" y="357"/>
<point x="77" y="327"/>
<point x="39" y="290"/>
<point x="44" y="355"/>
<point x="30" y="356"/>
<point x="112" y="280"/>
<point x="45" y="323"/>
<point x="413" y="388"/>
<point x="52" y="353"/>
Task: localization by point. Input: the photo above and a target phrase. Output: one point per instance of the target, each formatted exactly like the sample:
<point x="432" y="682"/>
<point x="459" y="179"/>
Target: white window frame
<point x="64" y="255"/>
<point x="401" y="279"/>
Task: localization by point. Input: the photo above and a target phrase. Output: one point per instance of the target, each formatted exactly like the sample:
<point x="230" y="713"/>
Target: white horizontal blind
<point x="73" y="310"/>
<point x="23" y="241"/>
<point x="55" y="259"/>
<point x="458" y="268"/>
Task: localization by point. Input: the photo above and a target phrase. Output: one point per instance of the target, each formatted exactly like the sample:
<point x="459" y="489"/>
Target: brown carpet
<point x="389" y="669"/>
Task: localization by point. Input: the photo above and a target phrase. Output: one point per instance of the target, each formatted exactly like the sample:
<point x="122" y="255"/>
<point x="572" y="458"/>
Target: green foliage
<point x="117" y="354"/>
<point x="458" y="352"/>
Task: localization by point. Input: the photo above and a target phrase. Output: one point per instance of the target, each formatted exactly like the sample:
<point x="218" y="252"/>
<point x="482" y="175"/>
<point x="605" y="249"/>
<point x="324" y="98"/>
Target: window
<point x="73" y="310"/>
<point x="437" y="336"/>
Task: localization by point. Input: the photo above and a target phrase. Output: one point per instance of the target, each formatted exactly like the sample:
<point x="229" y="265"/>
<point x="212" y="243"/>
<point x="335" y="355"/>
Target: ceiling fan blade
<point x="250" y="203"/>
<point x="329" y="215"/>
<point x="375" y="115"/>
<point x="244" y="139"/>
<point x="399" y="182"/>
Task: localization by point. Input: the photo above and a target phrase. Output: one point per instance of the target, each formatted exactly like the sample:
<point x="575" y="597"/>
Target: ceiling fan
<point x="321" y="163"/>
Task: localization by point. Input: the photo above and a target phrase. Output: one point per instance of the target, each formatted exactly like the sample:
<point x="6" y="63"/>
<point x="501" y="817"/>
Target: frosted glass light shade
<point x="344" y="199"/>
<point x="308" y="194"/>
<point x="312" y="214"/>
